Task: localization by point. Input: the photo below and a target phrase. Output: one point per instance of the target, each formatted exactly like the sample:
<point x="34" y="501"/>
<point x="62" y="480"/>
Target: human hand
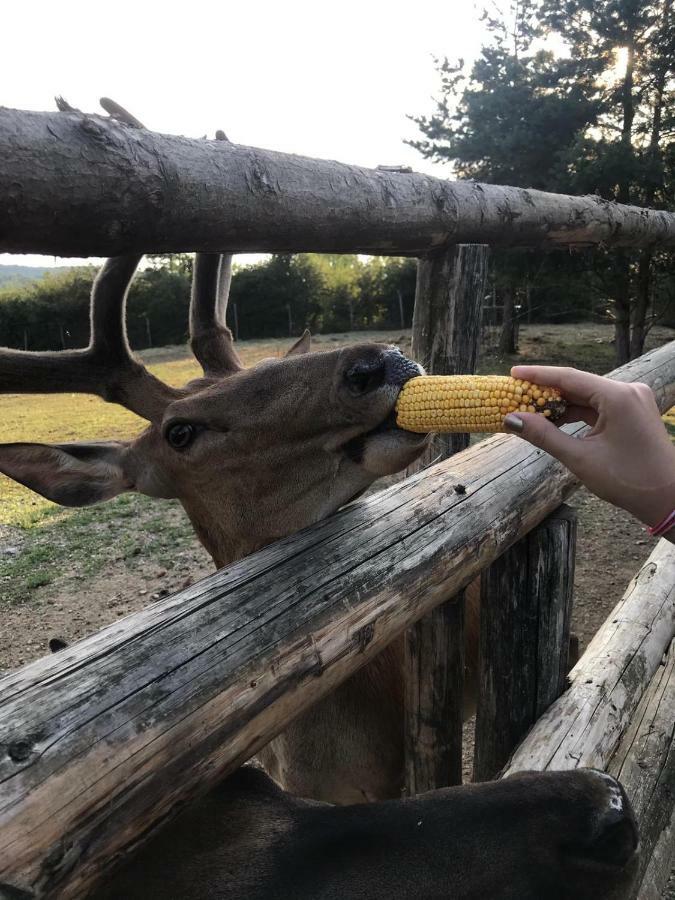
<point x="627" y="458"/>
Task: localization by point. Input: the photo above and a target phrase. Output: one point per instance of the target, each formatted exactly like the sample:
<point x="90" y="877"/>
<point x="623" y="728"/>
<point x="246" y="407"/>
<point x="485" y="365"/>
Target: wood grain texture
<point x="584" y="726"/>
<point x="526" y="605"/>
<point x="434" y="689"/>
<point x="446" y="323"/>
<point x="644" y="762"/>
<point x="73" y="184"/>
<point x="104" y="741"/>
<point x="445" y="338"/>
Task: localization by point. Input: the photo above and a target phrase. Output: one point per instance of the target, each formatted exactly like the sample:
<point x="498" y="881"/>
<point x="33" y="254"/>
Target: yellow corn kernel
<point x="470" y="403"/>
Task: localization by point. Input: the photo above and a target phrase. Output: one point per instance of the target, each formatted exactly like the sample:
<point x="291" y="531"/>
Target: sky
<point x="331" y="80"/>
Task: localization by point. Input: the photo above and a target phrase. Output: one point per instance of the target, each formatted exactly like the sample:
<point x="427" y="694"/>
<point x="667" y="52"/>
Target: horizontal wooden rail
<point x="104" y="741"/>
<point x="644" y="762"/>
<point x="82" y="185"/>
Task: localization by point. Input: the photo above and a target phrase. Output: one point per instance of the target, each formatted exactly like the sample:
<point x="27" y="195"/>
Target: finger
<point x="575" y="413"/>
<point x="579" y="387"/>
<point x="542" y="433"/>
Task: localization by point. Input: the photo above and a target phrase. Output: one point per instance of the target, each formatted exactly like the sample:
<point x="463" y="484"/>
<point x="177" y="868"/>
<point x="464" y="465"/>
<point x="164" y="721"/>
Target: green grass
<point x="85" y="541"/>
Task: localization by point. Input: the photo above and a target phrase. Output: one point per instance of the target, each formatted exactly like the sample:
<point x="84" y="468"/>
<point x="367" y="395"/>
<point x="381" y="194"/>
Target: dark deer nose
<point x="400" y="369"/>
<point x="616" y="837"/>
<point x="390" y="368"/>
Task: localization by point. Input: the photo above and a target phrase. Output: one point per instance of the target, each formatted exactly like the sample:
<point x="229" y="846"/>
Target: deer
<point x="253" y="455"/>
<point x="532" y="835"/>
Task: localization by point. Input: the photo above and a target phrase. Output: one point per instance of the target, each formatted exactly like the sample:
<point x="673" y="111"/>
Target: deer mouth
<point x="355" y="448"/>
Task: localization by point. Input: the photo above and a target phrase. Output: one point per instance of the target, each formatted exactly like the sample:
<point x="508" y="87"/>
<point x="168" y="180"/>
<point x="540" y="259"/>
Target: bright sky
<point x="332" y="80"/>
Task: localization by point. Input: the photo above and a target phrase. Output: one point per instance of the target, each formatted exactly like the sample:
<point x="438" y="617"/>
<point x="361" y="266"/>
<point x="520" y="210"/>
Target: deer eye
<point x="180" y="435"/>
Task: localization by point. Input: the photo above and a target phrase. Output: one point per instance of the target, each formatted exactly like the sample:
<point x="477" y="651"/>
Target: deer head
<point x="252" y="454"/>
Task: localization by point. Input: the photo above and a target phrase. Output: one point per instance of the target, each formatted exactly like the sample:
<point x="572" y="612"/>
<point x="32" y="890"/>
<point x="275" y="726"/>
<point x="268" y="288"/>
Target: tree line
<point x="575" y="96"/>
<point x="277" y="297"/>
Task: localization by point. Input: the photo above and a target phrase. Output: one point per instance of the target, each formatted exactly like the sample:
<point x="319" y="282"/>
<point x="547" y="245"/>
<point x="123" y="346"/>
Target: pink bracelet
<point x="664" y="525"/>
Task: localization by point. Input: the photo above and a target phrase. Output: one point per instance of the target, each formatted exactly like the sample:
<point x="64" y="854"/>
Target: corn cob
<point x="470" y="403"/>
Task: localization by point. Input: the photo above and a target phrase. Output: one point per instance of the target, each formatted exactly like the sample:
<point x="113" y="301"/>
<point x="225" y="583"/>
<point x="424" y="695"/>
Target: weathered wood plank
<point x="102" y="742"/>
<point x="445" y="337"/>
<point x="526" y="604"/>
<point x="552" y="566"/>
<point x="447" y="321"/>
<point x="584" y="726"/>
<point x="81" y="185"/>
<point x="661" y="865"/>
<point x="434" y="698"/>
<point x="644" y="762"/>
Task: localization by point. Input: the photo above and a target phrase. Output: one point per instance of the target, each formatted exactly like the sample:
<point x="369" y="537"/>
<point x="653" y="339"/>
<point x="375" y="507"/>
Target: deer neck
<point x="223" y="547"/>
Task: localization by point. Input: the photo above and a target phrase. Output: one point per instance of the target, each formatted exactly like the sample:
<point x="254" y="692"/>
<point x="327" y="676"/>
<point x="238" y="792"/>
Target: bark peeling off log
<point x="82" y="185"/>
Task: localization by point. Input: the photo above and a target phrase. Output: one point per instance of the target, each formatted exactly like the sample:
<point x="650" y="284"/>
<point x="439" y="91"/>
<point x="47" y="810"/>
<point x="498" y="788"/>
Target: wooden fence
<point x="106" y="740"/>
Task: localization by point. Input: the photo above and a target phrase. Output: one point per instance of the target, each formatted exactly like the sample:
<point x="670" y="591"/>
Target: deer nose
<point x="616" y="837"/>
<point x="399" y="368"/>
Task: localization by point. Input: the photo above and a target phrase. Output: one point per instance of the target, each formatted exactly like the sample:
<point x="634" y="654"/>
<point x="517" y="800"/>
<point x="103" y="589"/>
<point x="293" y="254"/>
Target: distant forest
<point x="276" y="297"/>
<point x="282" y="295"/>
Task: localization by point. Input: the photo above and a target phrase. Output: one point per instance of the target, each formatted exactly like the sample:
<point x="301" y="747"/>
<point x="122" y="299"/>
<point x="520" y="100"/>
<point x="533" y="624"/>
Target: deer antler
<point x="107" y="367"/>
<point x="210" y="338"/>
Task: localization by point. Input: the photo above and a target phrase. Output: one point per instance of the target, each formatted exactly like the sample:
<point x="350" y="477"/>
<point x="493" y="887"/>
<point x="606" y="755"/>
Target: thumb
<point x="542" y="433"/>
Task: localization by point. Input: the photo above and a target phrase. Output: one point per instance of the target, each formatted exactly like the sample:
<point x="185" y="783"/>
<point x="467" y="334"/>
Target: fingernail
<point x="513" y="423"/>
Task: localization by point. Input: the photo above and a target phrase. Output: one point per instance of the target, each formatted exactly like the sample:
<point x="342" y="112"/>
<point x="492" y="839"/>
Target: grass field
<point x="133" y="531"/>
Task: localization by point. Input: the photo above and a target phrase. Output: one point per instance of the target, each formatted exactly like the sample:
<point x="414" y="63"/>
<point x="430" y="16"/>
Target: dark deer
<point x="552" y="835"/>
<point x="253" y="455"/>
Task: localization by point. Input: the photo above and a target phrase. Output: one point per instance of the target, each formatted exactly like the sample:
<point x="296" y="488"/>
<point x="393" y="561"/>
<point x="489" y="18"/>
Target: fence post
<point x="526" y="606"/>
<point x="446" y="334"/>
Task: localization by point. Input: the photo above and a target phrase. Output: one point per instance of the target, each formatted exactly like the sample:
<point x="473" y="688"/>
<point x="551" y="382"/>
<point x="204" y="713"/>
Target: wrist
<point x="653" y="507"/>
<point x="665" y="526"/>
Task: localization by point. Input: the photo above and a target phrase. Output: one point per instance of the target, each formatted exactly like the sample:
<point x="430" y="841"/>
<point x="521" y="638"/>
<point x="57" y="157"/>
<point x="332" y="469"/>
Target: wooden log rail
<point x="102" y="742"/>
<point x="619" y="711"/>
<point x="83" y="185"/>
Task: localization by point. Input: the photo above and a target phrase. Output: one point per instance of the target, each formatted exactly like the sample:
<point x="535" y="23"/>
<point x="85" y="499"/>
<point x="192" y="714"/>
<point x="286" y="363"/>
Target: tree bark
<point x="639" y="312"/>
<point x="78" y="185"/>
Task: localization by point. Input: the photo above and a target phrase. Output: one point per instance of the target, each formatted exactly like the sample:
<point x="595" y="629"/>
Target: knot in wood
<point x="20" y="751"/>
<point x="364" y="636"/>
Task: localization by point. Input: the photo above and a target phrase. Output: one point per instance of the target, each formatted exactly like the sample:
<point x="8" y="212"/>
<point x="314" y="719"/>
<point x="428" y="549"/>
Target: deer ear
<point x="302" y="345"/>
<point x="69" y="474"/>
